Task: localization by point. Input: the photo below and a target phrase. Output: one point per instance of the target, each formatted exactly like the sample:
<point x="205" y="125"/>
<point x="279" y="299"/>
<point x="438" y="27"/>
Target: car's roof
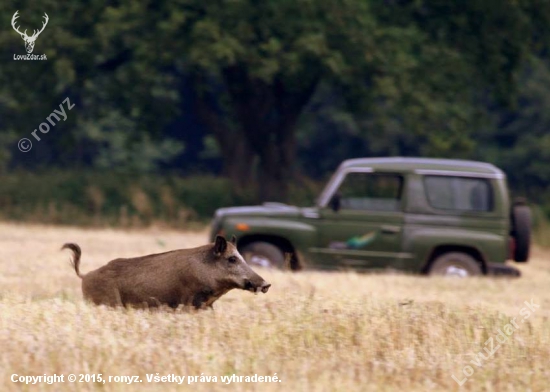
<point x="423" y="164"/>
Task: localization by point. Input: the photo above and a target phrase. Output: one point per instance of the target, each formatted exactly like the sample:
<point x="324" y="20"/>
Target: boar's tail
<point x="75" y="261"/>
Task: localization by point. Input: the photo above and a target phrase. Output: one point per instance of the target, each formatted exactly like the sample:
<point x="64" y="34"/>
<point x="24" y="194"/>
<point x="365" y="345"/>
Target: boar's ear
<point x="220" y="246"/>
<point x="234" y="240"/>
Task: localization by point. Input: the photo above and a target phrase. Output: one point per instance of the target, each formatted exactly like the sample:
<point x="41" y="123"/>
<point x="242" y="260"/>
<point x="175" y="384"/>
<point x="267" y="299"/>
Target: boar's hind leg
<point x="102" y="295"/>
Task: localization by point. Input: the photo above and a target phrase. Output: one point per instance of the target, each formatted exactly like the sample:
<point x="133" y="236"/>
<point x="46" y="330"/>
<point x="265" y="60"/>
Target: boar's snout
<point x="263" y="286"/>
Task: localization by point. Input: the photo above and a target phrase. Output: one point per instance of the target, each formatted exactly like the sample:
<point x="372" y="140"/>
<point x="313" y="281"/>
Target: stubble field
<point x="315" y="331"/>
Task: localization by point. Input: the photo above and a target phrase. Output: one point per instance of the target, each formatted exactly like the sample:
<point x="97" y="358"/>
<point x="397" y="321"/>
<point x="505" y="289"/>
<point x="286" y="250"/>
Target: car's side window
<point x="459" y="193"/>
<point x="371" y="191"/>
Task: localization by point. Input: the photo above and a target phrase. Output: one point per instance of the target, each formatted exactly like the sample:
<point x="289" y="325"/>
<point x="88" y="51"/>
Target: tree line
<point x="264" y="92"/>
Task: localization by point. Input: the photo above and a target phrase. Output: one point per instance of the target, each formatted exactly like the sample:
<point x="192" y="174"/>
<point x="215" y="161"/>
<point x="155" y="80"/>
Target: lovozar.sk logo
<point x="29" y="40"/>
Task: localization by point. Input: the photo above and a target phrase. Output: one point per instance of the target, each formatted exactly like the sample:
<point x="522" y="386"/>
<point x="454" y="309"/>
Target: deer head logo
<point x="29" y="41"/>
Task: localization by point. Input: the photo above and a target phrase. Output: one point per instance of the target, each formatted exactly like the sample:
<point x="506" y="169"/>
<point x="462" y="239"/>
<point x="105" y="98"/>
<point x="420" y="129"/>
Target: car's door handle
<point x="386" y="229"/>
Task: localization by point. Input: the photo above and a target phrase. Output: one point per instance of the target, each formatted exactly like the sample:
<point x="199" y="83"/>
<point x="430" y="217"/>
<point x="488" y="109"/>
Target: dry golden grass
<point x="317" y="331"/>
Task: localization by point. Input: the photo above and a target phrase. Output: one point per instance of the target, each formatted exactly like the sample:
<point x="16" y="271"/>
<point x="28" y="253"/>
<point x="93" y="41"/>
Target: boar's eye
<point x="232" y="259"/>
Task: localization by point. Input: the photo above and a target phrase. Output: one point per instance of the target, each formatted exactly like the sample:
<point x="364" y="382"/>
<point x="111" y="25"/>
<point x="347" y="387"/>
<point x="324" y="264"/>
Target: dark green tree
<point x="411" y="75"/>
<point x="418" y="68"/>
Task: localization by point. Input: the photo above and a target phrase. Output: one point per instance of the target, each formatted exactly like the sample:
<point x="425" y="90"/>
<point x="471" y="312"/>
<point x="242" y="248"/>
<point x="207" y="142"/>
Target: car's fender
<point x="300" y="235"/>
<point x="423" y="242"/>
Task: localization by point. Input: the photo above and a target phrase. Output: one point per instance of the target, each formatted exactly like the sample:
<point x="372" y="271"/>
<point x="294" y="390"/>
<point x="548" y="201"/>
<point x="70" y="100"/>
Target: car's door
<point x="366" y="230"/>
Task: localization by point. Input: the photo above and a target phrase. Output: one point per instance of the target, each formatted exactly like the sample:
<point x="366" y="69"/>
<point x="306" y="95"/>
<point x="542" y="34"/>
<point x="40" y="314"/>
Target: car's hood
<point x="266" y="209"/>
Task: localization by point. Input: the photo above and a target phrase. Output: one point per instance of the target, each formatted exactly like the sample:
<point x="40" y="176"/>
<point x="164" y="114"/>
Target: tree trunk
<point x="276" y="167"/>
<point x="267" y="113"/>
<point x="238" y="164"/>
<point x="237" y="155"/>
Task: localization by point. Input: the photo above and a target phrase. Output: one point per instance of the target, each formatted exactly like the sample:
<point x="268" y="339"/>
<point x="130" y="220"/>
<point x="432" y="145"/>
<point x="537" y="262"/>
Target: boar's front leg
<point x="201" y="298"/>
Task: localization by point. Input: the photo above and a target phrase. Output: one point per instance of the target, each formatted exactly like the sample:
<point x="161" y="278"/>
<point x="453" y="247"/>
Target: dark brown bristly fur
<point x="194" y="277"/>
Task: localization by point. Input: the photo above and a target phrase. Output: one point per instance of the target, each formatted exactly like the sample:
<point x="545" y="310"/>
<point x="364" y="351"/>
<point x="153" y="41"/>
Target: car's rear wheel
<point x="521" y="231"/>
<point x="264" y="254"/>
<point x="456" y="264"/>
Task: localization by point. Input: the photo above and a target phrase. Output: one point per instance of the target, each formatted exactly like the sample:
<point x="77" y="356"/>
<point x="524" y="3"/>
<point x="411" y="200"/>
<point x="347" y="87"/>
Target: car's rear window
<point x="459" y="193"/>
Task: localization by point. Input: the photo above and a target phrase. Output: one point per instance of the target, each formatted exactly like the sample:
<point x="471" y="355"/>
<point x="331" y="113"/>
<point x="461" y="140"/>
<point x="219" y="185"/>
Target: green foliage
<point x="519" y="140"/>
<point x="269" y="79"/>
<point x="122" y="106"/>
<point x="118" y="146"/>
<point x="121" y="199"/>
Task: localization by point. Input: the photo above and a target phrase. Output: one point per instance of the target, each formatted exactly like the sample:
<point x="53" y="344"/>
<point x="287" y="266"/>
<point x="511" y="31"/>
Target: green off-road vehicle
<point x="433" y="216"/>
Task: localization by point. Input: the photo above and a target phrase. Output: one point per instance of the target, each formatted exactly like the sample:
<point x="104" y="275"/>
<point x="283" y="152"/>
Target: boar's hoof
<point x="265" y="287"/>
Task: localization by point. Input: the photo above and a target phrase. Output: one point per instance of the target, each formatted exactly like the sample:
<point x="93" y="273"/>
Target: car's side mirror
<point x="335" y="202"/>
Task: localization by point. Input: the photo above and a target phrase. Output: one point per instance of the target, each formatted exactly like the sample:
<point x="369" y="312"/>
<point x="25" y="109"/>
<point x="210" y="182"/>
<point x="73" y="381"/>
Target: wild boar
<point x="194" y="277"/>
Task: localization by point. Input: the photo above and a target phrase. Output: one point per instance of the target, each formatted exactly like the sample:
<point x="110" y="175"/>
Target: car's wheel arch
<point x="281" y="242"/>
<point x="448" y="248"/>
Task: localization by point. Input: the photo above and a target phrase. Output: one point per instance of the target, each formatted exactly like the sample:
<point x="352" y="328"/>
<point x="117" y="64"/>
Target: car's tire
<point x="455" y="264"/>
<point x="521" y="231"/>
<point x="263" y="254"/>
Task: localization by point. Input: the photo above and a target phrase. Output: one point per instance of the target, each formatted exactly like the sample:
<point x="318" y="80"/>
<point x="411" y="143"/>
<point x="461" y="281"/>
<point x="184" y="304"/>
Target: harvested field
<point x="317" y="331"/>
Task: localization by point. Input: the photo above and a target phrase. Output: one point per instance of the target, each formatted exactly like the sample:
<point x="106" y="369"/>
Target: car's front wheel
<point x="264" y="254"/>
<point x="456" y="264"/>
